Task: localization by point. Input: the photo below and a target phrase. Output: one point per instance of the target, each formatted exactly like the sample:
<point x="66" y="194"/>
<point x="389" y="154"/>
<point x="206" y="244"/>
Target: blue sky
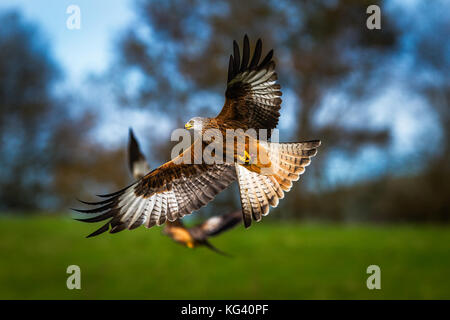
<point x="91" y="48"/>
<point x="79" y="52"/>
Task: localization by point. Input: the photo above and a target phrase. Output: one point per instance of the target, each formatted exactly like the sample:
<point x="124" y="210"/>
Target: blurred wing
<point x="218" y="224"/>
<point x="136" y="160"/>
<point x="252" y="95"/>
<point x="167" y="193"/>
<point x="209" y="245"/>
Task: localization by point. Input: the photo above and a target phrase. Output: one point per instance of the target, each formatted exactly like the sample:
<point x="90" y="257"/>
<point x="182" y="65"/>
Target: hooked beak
<point x="188" y="126"/>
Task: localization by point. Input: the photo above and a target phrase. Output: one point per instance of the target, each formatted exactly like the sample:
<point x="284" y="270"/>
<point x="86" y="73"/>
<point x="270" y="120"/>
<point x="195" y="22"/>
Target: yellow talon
<point x="246" y="158"/>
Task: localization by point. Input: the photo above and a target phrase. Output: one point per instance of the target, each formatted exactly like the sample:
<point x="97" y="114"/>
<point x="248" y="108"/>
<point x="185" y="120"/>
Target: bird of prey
<point x="190" y="237"/>
<point x="178" y="187"/>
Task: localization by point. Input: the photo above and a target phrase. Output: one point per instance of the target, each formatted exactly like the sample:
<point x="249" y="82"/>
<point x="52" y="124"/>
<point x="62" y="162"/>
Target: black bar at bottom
<point x="226" y="309"/>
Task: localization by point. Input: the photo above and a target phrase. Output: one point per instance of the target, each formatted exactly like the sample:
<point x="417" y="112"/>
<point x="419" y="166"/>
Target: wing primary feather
<point x="237" y="57"/>
<point x="256" y="54"/>
<point x="267" y="58"/>
<point x="247" y="213"/>
<point x="148" y="212"/>
<point x="137" y="214"/>
<point x="156" y="212"/>
<point x="254" y="199"/>
<point x="115" y="193"/>
<point x="100" y="217"/>
<point x="245" y="54"/>
<point x="96" y="203"/>
<point x="96" y="210"/>
<point x="164" y="208"/>
<point x="118" y="228"/>
<point x="100" y="230"/>
<point x="230" y="69"/>
<point x="245" y="201"/>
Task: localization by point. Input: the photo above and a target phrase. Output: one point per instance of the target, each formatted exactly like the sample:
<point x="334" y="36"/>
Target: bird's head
<point x="195" y="123"/>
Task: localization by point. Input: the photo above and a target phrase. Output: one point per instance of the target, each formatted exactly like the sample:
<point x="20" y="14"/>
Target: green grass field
<point x="271" y="261"/>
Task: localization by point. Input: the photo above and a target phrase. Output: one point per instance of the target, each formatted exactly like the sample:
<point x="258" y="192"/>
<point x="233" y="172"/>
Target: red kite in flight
<point x="177" y="188"/>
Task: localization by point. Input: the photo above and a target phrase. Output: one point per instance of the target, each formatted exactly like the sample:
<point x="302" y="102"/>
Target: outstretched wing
<point x="218" y="224"/>
<point x="167" y="193"/>
<point x="260" y="192"/>
<point x="139" y="167"/>
<point x="252" y="95"/>
<point x="136" y="160"/>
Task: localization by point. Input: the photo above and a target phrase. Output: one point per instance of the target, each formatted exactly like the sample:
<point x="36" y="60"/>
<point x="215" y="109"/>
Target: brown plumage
<point x="192" y="237"/>
<point x="176" y="188"/>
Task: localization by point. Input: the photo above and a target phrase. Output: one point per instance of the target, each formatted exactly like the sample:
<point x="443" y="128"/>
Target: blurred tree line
<point x="47" y="156"/>
<point x="175" y="55"/>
